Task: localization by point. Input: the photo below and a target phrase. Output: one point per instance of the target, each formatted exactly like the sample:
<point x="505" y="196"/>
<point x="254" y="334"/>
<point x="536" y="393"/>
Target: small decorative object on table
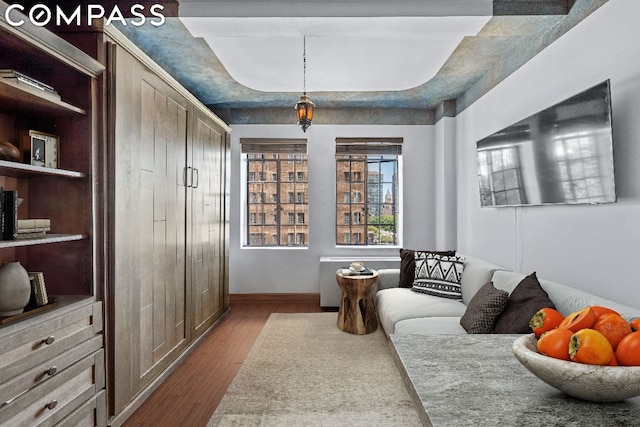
<point x="15" y="289"/>
<point x="587" y="382"/>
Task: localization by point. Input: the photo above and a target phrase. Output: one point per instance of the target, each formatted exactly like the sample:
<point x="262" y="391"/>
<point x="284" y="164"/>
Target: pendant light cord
<point x="304" y="65"/>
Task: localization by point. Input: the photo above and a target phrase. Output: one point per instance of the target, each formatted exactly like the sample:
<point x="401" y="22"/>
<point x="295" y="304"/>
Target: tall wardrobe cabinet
<point x="165" y="184"/>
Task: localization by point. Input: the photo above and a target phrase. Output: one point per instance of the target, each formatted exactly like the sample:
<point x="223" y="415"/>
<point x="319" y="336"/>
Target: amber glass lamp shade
<point x="304" y="112"/>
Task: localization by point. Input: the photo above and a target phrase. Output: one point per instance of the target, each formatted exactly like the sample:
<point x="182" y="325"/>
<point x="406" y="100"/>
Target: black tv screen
<point x="561" y="155"/>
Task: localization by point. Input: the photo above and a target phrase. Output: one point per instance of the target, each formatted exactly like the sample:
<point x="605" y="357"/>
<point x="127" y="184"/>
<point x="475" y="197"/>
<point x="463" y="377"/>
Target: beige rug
<point x="304" y="371"/>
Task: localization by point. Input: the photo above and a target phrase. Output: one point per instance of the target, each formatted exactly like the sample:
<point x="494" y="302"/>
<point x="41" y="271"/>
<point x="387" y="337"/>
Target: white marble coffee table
<point x="475" y="380"/>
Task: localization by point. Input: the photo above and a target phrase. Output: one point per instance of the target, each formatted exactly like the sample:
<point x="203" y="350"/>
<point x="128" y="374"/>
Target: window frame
<point x="368" y="152"/>
<point x="280" y="159"/>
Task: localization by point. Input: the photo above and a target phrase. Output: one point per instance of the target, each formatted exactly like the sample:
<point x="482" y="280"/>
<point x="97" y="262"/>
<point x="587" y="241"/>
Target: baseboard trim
<point x="278" y="298"/>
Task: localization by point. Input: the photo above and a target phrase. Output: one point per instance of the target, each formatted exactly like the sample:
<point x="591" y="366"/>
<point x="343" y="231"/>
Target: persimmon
<point x="628" y="352"/>
<point x="580" y="319"/>
<point x="591" y="347"/>
<point x="544" y="320"/>
<point x="614" y="361"/>
<point x="555" y="343"/>
<point x="599" y="310"/>
<point x="613" y="326"/>
<point x="635" y="324"/>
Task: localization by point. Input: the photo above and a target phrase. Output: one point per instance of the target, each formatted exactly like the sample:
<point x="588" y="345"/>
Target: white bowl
<point x="587" y="382"/>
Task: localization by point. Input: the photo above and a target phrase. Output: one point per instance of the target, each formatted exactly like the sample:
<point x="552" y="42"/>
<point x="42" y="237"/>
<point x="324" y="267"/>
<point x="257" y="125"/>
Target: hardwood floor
<point x="193" y="391"/>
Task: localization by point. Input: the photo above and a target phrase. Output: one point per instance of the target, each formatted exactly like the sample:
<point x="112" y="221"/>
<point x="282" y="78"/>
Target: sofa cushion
<point x="396" y="304"/>
<point x="526" y="299"/>
<point x="438" y="275"/>
<point x="430" y="326"/>
<point x="477" y="272"/>
<point x="408" y="265"/>
<point x="568" y="299"/>
<point x="483" y="309"/>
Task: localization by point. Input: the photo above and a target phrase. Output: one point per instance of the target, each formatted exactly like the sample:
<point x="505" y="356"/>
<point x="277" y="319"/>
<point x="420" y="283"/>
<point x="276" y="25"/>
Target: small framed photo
<point x="39" y="148"/>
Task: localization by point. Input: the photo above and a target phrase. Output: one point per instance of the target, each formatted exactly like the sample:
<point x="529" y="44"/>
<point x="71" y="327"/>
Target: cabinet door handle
<point x="188" y="173"/>
<point x="197" y="180"/>
<point x="51" y="371"/>
<point x="49" y="340"/>
<point x="52" y="404"/>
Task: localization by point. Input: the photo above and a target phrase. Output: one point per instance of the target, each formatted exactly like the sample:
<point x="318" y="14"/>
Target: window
<point x="367" y="175"/>
<point x="276" y="209"/>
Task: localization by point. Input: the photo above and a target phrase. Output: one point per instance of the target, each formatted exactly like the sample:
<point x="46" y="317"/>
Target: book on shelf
<point x="31" y="223"/>
<point x="9" y="214"/>
<point x="40" y="289"/>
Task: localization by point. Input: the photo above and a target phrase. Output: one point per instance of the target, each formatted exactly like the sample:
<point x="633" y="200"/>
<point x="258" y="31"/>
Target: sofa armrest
<point x="388" y="278"/>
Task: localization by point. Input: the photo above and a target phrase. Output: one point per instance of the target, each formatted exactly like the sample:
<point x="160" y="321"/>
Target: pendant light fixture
<point x="304" y="107"/>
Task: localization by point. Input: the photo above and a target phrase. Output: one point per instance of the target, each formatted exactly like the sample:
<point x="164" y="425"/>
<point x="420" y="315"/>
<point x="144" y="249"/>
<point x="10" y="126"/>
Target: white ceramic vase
<point x="15" y="289"/>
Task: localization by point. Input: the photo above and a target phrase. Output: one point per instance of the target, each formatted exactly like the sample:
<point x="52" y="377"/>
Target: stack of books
<point x="33" y="228"/>
<point x="12" y="228"/>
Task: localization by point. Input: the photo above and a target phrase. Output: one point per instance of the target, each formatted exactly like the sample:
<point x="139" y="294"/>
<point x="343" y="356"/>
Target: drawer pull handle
<point x="51" y="371"/>
<point x="49" y="340"/>
<point x="52" y="404"/>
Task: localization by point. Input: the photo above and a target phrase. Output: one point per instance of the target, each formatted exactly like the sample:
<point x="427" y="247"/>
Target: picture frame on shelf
<point x="40" y="148"/>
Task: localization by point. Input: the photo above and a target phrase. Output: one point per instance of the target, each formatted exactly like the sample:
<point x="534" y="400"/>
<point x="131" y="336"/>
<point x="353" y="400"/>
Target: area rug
<point x="304" y="371"/>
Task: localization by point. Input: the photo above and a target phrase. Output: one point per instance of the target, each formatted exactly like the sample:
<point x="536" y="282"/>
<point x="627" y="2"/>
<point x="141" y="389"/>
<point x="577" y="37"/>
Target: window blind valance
<point x="271" y="145"/>
<point x="366" y="146"/>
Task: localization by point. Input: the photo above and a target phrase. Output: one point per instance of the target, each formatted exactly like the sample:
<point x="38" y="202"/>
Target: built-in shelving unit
<point x="68" y="332"/>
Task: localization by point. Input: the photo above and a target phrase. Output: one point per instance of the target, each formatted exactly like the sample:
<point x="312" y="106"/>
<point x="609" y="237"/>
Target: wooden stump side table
<point x="357" y="313"/>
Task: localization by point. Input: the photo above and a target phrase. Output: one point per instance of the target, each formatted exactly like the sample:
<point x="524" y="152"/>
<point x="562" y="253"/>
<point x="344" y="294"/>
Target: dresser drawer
<point x="50" y="402"/>
<point x="45" y="371"/>
<point x="92" y="413"/>
<point x="37" y="342"/>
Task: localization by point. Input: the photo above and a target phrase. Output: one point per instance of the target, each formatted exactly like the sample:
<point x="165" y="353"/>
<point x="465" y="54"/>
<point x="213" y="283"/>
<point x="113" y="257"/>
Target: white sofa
<point x="403" y="311"/>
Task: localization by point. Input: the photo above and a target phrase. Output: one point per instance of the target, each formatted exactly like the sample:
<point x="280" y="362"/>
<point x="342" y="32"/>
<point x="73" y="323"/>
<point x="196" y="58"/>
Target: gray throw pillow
<point x="483" y="309"/>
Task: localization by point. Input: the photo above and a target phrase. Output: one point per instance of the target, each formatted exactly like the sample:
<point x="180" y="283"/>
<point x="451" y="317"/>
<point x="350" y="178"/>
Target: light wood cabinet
<point x="167" y="187"/>
<point x="52" y="361"/>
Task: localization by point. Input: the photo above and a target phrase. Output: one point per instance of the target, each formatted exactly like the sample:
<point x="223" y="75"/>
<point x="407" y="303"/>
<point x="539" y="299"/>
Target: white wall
<point x="295" y="270"/>
<point x="595" y="248"/>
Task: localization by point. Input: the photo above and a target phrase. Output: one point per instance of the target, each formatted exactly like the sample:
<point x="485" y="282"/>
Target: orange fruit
<point x="580" y="319"/>
<point x="635" y="324"/>
<point x="544" y="320"/>
<point x="628" y="352"/>
<point x="555" y="343"/>
<point x="599" y="310"/>
<point x="614" y="361"/>
<point x="591" y="347"/>
<point x="612" y="326"/>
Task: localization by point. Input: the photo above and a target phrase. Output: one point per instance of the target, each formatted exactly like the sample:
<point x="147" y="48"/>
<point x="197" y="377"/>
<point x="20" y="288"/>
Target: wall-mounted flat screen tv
<point x="561" y="155"/>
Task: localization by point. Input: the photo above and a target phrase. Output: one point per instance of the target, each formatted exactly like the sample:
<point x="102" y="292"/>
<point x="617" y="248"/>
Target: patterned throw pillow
<point x="483" y="309"/>
<point x="438" y="275"/>
<point x="408" y="265"/>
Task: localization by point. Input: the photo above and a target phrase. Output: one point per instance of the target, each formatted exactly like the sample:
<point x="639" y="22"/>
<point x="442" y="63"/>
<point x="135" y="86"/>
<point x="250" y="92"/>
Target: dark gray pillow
<point x="483" y="309"/>
<point x="525" y="301"/>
